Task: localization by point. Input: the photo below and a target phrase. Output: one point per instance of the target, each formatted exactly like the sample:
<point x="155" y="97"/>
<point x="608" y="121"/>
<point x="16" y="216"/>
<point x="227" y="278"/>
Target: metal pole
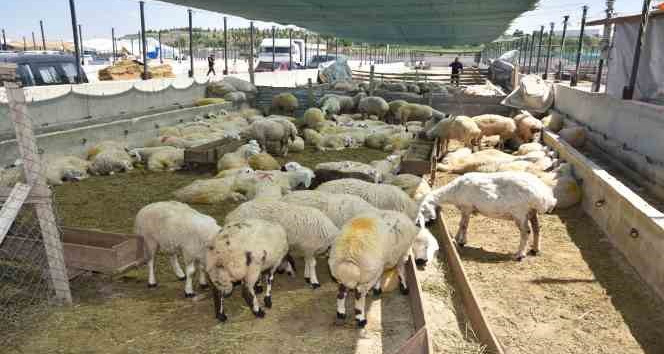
<point x="34" y="42"/>
<point x="628" y="91"/>
<point x="251" y="52"/>
<point x="306" y="50"/>
<point x="273" y="45"/>
<point x="318" y="45"/>
<point x="548" y="52"/>
<point x="4" y="40"/>
<point x="80" y="39"/>
<point x="144" y="45"/>
<point x="191" y="45"/>
<point x="25" y="44"/>
<point x="225" y="47"/>
<point x="72" y="9"/>
<point x="604" y="44"/>
<point x="539" y="50"/>
<point x="562" y="48"/>
<point x="336" y="47"/>
<point x="290" y="49"/>
<point x="575" y="79"/>
<point x="113" y="43"/>
<point x="161" y="57"/>
<point x="532" y="51"/>
<point x="41" y="26"/>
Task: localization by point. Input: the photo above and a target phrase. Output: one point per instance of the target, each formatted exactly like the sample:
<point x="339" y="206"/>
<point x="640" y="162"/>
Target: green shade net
<point x="433" y="22"/>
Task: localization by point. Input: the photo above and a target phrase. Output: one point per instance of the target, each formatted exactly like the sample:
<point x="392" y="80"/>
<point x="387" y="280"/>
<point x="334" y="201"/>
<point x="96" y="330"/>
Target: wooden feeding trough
<point x="210" y="153"/>
<point x="421" y="158"/>
<point x="102" y="252"/>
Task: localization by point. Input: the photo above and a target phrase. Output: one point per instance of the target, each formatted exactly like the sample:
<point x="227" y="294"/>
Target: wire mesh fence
<point x="32" y="269"/>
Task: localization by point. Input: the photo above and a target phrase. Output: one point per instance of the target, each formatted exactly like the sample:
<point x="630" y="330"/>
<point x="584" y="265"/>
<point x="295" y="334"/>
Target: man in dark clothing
<point x="211" y="65"/>
<point x="457" y="67"/>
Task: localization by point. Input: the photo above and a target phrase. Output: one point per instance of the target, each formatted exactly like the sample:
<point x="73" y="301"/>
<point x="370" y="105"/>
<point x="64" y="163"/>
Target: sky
<point x="21" y="17"/>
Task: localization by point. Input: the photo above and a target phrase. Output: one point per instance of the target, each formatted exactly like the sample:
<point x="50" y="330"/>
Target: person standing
<point x="210" y="60"/>
<point x="457" y="68"/>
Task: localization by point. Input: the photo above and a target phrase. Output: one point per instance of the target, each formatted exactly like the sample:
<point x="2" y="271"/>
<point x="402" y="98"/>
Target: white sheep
<point x="413" y="111"/>
<point x="338" y="207"/>
<point x="516" y="196"/>
<point x="310" y="233"/>
<point x="333" y="104"/>
<point x="111" y="160"/>
<point x="334" y="142"/>
<point x="65" y="168"/>
<point x="368" y="245"/>
<point x="373" y="105"/>
<point x="242" y="251"/>
<point x="381" y="196"/>
<point x="314" y="118"/>
<point x="284" y="103"/>
<point x="528" y="128"/>
<point x="460" y="128"/>
<point x="172" y="226"/>
<point x="210" y="191"/>
<point x="166" y="160"/>
<point x="387" y="168"/>
<point x="493" y="124"/>
<point x="278" y="131"/>
<point x="239" y="158"/>
<point x="296" y="145"/>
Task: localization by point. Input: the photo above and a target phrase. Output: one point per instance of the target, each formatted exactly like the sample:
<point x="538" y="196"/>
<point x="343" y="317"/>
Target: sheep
<point x="528" y="128"/>
<point x="492" y="124"/>
<point x="334" y="142"/>
<point x="238" y="158"/>
<point x="338" y="207"/>
<point x="373" y="105"/>
<point x="242" y="251"/>
<point x="272" y="184"/>
<point x="516" y="196"/>
<point x="527" y="148"/>
<point x="173" y="226"/>
<point x="236" y="97"/>
<point x="314" y="119"/>
<point x="108" y="159"/>
<point x="393" y="108"/>
<point x="398" y="141"/>
<point x="65" y="168"/>
<point x="387" y="168"/>
<point x="296" y="145"/>
<point x="553" y="122"/>
<point x="416" y="187"/>
<point x="368" y="245"/>
<point x="413" y="111"/>
<point x="166" y="160"/>
<point x="575" y="136"/>
<point x="264" y="162"/>
<point x="381" y="196"/>
<point x="211" y="191"/>
<point x="284" y="103"/>
<point x="309" y="231"/>
<point x="461" y="128"/>
<point x="170" y="131"/>
<point x="335" y="104"/>
<point x="234" y="172"/>
<point x="272" y="130"/>
<point x="565" y="187"/>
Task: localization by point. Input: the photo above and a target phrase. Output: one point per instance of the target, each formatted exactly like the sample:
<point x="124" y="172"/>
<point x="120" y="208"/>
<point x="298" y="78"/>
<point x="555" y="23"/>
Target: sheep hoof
<point x="260" y="313"/>
<point x="533" y="252"/>
<point x="189" y="295"/>
<point x="315" y="286"/>
<point x="281" y="271"/>
<point x="182" y="278"/>
<point x="307" y="280"/>
<point x="361" y="323"/>
<point x="403" y="289"/>
<point x="258" y="289"/>
<point x="204" y="286"/>
<point x="377" y="292"/>
<point x="268" y="302"/>
<point x="519" y="257"/>
<point x="222" y="317"/>
<point x="341" y="316"/>
<point x="461" y="244"/>
<point x="152" y="285"/>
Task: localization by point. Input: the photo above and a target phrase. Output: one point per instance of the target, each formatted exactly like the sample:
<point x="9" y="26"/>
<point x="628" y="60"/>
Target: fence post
<point x="628" y="91"/>
<point x="605" y="45"/>
<point x="251" y="53"/>
<point x="562" y="48"/>
<point x="225" y="46"/>
<point x="575" y="79"/>
<point x="4" y="40"/>
<point x="371" y="80"/>
<point x="191" y="45"/>
<point x="539" y="50"/>
<point x="548" y="52"/>
<point x="161" y="56"/>
<point x="306" y="50"/>
<point x="80" y="40"/>
<point x="113" y="43"/>
<point x="532" y="51"/>
<point x="35" y="177"/>
<point x="310" y="93"/>
<point x="290" y="49"/>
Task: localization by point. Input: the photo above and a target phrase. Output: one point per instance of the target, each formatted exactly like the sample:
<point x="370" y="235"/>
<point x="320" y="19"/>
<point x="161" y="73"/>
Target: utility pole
<point x="548" y="52"/>
<point x="604" y="44"/>
<point x="72" y="9"/>
<point x="225" y="47"/>
<point x="575" y="79"/>
<point x="80" y="39"/>
<point x="539" y="50"/>
<point x="191" y="45"/>
<point x="628" y="91"/>
<point x="562" y="48"/>
<point x="41" y="25"/>
<point x="144" y="42"/>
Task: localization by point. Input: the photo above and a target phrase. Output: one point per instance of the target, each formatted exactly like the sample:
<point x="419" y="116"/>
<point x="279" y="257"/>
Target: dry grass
<point x="579" y="296"/>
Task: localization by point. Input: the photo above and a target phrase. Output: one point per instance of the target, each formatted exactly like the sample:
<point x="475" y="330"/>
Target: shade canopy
<point x="429" y="22"/>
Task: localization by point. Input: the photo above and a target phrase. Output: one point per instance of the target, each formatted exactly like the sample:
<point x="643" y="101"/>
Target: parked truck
<point x="282" y="54"/>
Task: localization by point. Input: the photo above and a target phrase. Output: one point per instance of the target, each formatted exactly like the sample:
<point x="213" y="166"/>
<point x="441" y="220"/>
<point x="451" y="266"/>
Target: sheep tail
<point x="347" y="273"/>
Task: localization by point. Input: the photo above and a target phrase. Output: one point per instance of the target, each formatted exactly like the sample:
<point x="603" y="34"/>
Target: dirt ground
<point x="579" y="296"/>
<point x="120" y="314"/>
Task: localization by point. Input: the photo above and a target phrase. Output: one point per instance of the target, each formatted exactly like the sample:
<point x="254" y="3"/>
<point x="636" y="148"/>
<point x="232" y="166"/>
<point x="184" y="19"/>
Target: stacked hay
<point x="132" y="69"/>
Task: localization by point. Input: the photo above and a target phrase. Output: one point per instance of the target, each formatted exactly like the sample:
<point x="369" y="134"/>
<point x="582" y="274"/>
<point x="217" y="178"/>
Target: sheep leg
<point x="463" y="229"/>
<point x="376" y="288"/>
<point x="525" y="232"/>
<point x="307" y="277"/>
<point x="269" y="278"/>
<point x="360" y="300"/>
<point x="401" y="270"/>
<point x="218" y="298"/>
<point x="152" y="282"/>
<point x="202" y="277"/>
<point x="250" y="281"/>
<point x="341" y="303"/>
<point x="312" y="272"/>
<point x="190" y="269"/>
<point x="536" y="233"/>
<point x="176" y="267"/>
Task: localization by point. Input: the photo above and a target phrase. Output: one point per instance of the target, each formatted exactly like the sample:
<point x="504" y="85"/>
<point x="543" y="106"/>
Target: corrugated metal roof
<point x="434" y="22"/>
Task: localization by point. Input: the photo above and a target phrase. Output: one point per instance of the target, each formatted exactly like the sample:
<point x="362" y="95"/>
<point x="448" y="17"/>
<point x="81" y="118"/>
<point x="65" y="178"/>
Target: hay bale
<point x="132" y="70"/>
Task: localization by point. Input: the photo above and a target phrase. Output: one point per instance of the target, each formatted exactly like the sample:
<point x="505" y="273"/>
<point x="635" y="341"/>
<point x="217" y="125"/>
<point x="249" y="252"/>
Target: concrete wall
<point x="134" y="132"/>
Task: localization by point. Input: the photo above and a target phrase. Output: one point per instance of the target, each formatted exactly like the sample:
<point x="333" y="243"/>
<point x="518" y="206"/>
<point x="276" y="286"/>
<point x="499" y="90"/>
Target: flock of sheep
<point x="364" y="227"/>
